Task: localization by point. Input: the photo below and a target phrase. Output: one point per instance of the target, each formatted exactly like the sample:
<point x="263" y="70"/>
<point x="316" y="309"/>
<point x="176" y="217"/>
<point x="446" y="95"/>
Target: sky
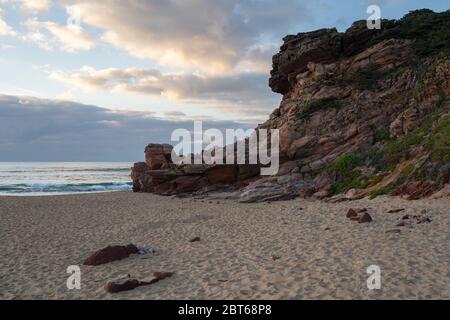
<point x="89" y="80"/>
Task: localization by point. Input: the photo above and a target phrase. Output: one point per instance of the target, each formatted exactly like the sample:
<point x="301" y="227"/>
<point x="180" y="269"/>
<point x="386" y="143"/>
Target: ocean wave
<point x="67" y="170"/>
<point x="64" y="188"/>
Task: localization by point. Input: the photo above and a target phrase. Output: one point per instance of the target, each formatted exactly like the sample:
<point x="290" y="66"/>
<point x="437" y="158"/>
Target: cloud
<point x="213" y="36"/>
<point x="32" y="6"/>
<point x="34" y="129"/>
<point x="226" y="92"/>
<point x="5" y="29"/>
<point x="50" y="35"/>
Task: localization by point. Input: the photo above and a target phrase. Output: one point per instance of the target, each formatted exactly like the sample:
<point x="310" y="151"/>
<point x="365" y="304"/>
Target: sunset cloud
<point x="31" y="6"/>
<point x="225" y="92"/>
<point x="213" y="36"/>
<point x="50" y="35"/>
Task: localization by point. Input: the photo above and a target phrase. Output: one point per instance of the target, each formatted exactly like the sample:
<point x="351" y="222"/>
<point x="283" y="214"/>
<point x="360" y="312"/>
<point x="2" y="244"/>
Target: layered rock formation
<point x="160" y="175"/>
<point x="365" y="112"/>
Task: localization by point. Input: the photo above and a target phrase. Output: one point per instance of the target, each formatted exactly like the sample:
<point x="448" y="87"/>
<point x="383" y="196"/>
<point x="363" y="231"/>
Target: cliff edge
<point x="364" y="113"/>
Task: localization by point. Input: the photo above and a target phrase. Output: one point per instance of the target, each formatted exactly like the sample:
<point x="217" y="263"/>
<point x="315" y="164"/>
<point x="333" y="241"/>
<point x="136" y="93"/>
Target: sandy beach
<point x="287" y="250"/>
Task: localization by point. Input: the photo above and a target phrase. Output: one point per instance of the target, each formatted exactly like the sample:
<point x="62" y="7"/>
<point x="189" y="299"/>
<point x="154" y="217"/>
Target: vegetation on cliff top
<point x="429" y="30"/>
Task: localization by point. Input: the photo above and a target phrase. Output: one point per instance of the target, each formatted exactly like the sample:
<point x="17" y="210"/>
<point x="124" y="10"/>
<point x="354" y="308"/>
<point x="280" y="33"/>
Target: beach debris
<point x="396" y="210"/>
<point x="421" y="220"/>
<point x="408" y="220"/>
<point x="149" y="250"/>
<point x="196" y="239"/>
<point x="110" y="254"/>
<point x="394" y="231"/>
<point x="327" y="229"/>
<point x="275" y="257"/>
<point x="127" y="283"/>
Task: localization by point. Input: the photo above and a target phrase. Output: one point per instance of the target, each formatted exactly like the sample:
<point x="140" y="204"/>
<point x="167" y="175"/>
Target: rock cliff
<point x="364" y="113"/>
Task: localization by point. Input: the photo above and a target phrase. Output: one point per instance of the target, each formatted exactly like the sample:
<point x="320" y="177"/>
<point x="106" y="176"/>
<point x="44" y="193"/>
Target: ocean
<point x="52" y="178"/>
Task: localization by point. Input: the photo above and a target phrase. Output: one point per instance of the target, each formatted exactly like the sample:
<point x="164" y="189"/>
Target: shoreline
<point x="56" y="194"/>
<point x="293" y="249"/>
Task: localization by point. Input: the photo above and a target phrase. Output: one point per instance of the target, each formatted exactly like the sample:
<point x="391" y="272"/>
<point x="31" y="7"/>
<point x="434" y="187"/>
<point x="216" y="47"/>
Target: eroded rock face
<point x="273" y="189"/>
<point x="161" y="176"/>
<point x="158" y="156"/>
<point x="352" y="93"/>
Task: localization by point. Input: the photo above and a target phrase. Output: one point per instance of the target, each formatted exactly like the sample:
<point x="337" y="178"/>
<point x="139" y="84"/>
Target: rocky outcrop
<point x="158" y="174"/>
<point x="364" y="113"/>
<point x="359" y="106"/>
<point x="286" y="187"/>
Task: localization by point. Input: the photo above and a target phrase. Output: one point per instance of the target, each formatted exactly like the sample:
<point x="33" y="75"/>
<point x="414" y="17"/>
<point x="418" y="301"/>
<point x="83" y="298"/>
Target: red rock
<point x="119" y="286"/>
<point x="162" y="275"/>
<point x="127" y="283"/>
<point x="110" y="254"/>
<point x="364" y="218"/>
<point x="222" y="174"/>
<point x="352" y="213"/>
<point x="158" y="156"/>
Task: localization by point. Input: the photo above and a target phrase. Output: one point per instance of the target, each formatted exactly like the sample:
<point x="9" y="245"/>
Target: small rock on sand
<point x="396" y="210"/>
<point x="394" y="231"/>
<point x="196" y="239"/>
<point x="364" y="218"/>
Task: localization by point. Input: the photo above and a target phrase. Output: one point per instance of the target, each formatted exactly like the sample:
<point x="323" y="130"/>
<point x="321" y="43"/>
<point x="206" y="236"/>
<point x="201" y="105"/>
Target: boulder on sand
<point x="110" y="254"/>
<point x="127" y="283"/>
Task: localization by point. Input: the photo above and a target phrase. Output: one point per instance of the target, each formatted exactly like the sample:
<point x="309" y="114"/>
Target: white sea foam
<point x="63" y="178"/>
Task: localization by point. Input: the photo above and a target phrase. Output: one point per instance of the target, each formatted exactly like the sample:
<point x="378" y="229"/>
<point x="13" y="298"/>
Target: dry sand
<point x="41" y="236"/>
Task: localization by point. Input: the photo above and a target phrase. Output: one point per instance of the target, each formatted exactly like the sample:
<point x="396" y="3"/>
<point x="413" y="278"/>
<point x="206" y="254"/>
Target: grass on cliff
<point x="429" y="30"/>
<point x="366" y="78"/>
<point x="381" y="192"/>
<point x="319" y="105"/>
<point x="433" y="137"/>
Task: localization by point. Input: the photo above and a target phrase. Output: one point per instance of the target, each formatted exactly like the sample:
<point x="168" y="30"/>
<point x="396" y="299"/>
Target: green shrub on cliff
<point x="346" y="163"/>
<point x="429" y="30"/>
<point x="366" y="78"/>
<point x="319" y="105"/>
<point x="381" y="192"/>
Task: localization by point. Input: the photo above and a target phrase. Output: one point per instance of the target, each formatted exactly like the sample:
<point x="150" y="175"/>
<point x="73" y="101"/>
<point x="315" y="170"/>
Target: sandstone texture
<point x="364" y="113"/>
